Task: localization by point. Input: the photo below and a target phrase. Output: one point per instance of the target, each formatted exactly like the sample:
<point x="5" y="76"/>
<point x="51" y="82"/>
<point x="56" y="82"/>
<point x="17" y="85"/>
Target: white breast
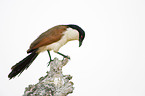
<point x="69" y="35"/>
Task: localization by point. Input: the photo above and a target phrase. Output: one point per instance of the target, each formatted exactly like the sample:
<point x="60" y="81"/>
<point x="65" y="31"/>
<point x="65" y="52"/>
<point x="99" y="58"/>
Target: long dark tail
<point x="23" y="64"/>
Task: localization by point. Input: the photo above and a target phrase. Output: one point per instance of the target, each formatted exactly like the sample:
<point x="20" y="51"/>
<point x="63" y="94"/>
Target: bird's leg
<point x="63" y="55"/>
<point x="49" y="56"/>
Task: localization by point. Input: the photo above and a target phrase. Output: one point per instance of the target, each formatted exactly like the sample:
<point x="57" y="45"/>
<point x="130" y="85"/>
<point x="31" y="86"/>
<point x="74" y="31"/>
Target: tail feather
<point x="23" y="64"/>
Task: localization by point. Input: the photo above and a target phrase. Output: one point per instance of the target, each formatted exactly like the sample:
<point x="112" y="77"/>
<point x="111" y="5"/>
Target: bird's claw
<point x="49" y="62"/>
<point x="68" y="57"/>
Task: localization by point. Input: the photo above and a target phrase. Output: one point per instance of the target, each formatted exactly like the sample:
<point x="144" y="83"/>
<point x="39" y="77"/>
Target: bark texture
<point x="54" y="83"/>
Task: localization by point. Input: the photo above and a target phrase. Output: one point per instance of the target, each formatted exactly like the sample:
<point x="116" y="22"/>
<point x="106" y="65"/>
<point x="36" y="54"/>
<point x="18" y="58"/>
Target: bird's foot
<point x="68" y="57"/>
<point x="49" y="62"/>
<point x="64" y="56"/>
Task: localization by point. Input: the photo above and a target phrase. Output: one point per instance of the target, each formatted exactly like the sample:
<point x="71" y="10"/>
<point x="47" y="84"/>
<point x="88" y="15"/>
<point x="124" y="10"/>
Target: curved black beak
<point x="80" y="43"/>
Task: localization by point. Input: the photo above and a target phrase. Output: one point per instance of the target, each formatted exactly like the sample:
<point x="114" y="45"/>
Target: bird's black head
<point x="81" y="32"/>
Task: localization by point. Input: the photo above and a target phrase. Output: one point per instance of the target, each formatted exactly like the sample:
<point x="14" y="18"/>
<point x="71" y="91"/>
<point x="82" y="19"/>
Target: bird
<point x="52" y="39"/>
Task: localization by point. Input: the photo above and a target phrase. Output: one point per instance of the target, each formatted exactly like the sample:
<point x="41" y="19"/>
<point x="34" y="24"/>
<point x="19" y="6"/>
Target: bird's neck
<point x="71" y="34"/>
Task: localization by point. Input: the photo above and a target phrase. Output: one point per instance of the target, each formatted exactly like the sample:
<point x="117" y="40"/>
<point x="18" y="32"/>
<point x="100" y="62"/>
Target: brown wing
<point x="50" y="36"/>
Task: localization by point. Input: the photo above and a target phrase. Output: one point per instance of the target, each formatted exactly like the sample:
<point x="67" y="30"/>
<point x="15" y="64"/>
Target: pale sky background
<point x="111" y="60"/>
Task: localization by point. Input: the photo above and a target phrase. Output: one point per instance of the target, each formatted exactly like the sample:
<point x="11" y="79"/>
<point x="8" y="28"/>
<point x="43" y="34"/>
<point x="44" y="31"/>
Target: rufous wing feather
<point x="50" y="36"/>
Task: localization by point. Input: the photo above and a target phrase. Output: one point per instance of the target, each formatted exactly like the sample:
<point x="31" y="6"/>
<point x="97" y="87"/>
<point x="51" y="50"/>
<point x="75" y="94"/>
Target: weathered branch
<point x="54" y="83"/>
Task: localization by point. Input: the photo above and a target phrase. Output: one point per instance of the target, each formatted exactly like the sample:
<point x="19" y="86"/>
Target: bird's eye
<point x="81" y="37"/>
